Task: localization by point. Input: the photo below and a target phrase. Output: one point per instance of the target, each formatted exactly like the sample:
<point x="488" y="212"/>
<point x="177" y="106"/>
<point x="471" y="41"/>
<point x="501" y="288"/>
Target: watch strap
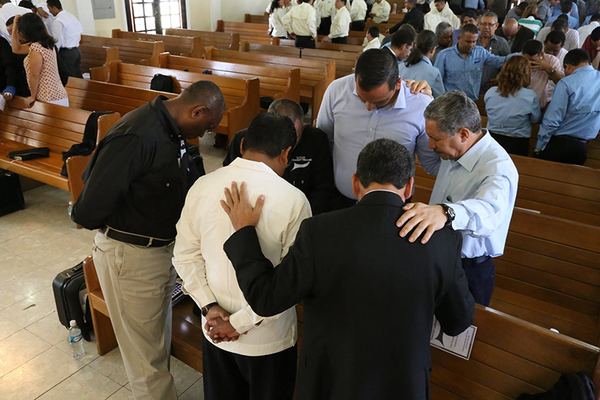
<point x="207" y="307"/>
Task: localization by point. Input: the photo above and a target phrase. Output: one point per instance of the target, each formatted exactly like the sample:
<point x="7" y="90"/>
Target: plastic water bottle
<point x="76" y="340"/>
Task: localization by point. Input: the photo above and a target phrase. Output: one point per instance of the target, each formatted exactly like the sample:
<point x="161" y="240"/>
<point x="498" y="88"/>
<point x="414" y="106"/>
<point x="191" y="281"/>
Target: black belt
<point x="478" y="260"/>
<point x="138" y="240"/>
<point x="572" y="138"/>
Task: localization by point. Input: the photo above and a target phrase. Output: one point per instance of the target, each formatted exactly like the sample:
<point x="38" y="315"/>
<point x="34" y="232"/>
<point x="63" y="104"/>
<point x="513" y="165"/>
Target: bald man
<point x="515" y="34"/>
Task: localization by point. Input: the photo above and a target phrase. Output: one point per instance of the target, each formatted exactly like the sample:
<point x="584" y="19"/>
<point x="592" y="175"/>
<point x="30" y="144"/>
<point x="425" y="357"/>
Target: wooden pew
<point x="509" y="357"/>
<point x="90" y="95"/>
<point x="256" y="19"/>
<point x="549" y="274"/>
<point x="46" y="125"/>
<point x="241" y="95"/>
<point x="254" y="33"/>
<point x="94" y="51"/>
<point x="315" y="75"/>
<point x="220" y="40"/>
<point x="277" y="83"/>
<point x="327" y="46"/>
<point x="188" y="46"/>
<point x="344" y="61"/>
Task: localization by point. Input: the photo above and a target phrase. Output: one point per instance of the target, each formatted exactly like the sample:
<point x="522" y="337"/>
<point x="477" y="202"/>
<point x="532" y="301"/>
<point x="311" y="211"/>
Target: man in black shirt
<point x="135" y="186"/>
<point x="311" y="167"/>
<point x="413" y="14"/>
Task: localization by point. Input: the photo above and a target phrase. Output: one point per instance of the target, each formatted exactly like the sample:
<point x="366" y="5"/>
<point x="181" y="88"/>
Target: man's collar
<point x="240" y="162"/>
<point x="584" y="68"/>
<point x="470" y="158"/>
<point x="165" y="117"/>
<point x="400" y="100"/>
<point x="382" y="197"/>
<point x="427" y="60"/>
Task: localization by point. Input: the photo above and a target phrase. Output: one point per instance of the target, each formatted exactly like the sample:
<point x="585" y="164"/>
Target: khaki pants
<point x="137" y="284"/>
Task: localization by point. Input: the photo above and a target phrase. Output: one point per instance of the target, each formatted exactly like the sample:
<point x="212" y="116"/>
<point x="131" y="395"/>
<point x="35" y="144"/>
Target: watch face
<point x="451" y="214"/>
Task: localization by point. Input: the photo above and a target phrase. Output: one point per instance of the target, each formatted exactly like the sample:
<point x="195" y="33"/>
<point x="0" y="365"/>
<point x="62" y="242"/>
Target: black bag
<point x="570" y="386"/>
<point x="69" y="292"/>
<point x="162" y="83"/>
<point x="12" y="196"/>
<point x="29" y="154"/>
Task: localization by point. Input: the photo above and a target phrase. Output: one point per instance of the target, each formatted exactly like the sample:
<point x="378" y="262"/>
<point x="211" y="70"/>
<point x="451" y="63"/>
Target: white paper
<point x="459" y="346"/>
<point x="2" y="103"/>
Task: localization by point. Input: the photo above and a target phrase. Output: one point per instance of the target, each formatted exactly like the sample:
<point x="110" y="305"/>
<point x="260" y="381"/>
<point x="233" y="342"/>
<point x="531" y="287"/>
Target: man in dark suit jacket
<point x="369" y="295"/>
<point x="413" y="14"/>
<point x="515" y="34"/>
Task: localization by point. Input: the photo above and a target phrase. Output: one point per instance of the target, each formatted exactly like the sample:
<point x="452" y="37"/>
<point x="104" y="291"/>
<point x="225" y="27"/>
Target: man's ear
<point x="355" y="185"/>
<point x="398" y="84"/>
<point x="408" y="188"/>
<point x="242" y="147"/>
<point x="464" y="134"/>
<point x="197" y="111"/>
<point x="286" y="155"/>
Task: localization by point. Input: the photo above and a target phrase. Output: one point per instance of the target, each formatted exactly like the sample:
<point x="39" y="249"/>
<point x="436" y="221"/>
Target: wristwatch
<point x="450" y="214"/>
<point x="552" y="72"/>
<point x="207" y="307"/>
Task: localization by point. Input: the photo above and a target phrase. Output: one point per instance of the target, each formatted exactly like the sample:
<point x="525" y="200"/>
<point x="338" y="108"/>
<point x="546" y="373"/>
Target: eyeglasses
<point x="487" y="24"/>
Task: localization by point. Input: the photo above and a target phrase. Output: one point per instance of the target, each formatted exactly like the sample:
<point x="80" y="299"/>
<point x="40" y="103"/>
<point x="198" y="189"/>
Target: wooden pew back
<point x="94" y="53"/>
<point x="188" y="46"/>
<point x="256" y="19"/>
<point x="220" y="40"/>
<point x="327" y="46"/>
<point x="315" y="75"/>
<point x="249" y="32"/>
<point x="509" y="357"/>
<point x="274" y="82"/>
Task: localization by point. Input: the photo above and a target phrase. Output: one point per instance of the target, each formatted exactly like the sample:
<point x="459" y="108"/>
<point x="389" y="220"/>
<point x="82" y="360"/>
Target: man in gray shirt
<point x="495" y="44"/>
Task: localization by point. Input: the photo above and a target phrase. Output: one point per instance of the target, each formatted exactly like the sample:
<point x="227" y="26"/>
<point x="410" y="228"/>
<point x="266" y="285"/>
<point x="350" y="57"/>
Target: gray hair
<point x="453" y="111"/>
<point x="491" y="14"/>
<point x="442" y="29"/>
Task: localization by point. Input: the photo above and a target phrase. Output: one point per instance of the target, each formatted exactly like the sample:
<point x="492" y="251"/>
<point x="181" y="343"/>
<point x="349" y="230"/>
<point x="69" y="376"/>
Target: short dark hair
<point x="566" y="6"/>
<point x="26" y="4"/>
<point x="9" y="22"/>
<point x="384" y="161"/>
<point x="561" y="24"/>
<point x="401" y="37"/>
<point x="439" y="1"/>
<point x="287" y="107"/>
<point x="205" y="92"/>
<point x="373" y="31"/>
<point x="468" y="13"/>
<point x="576" y="57"/>
<point x="595" y="17"/>
<point x="556" y="37"/>
<point x="269" y="134"/>
<point x="4" y="1"/>
<point x="469" y="28"/>
<point x="376" y="67"/>
<point x="522" y="5"/>
<point x="54" y="3"/>
<point x="595" y="35"/>
<point x="533" y="47"/>
<point x="343" y="1"/>
<point x="410" y="29"/>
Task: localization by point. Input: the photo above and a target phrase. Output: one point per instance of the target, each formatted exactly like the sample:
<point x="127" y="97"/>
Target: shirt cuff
<point x="242" y="320"/>
<point x="461" y="217"/>
<point x="10" y="89"/>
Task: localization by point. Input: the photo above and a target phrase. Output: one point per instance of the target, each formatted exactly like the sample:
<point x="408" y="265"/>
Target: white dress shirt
<point x="373" y="44"/>
<point x="358" y="12"/>
<point x="381" y="11"/>
<point x="340" y="25"/>
<point x="571" y="38"/>
<point x="350" y="127"/>
<point x="66" y="30"/>
<point x="8" y="11"/>
<point x="586" y="31"/>
<point x="481" y="188"/>
<point x="49" y="20"/>
<point x="207" y="273"/>
<point x="276" y="22"/>
<point x="326" y="8"/>
<point x="301" y="20"/>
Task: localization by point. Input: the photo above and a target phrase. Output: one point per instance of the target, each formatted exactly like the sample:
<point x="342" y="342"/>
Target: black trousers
<point x="565" y="149"/>
<point x="306" y="42"/>
<point x="357" y="26"/>
<point x="340" y="40"/>
<point x="325" y="27"/>
<point x="481" y="276"/>
<point x="513" y="145"/>
<point x="229" y="376"/>
<point x="72" y="60"/>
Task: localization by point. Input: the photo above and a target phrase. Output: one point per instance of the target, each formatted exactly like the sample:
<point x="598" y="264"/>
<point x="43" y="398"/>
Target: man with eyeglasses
<point x="494" y="44"/>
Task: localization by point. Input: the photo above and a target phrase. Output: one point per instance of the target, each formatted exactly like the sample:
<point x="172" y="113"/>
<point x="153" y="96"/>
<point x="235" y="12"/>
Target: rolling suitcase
<point x="70" y="295"/>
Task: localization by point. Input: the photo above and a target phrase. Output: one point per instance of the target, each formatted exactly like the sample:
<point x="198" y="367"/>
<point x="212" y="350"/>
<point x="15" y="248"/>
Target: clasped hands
<point x="218" y="327"/>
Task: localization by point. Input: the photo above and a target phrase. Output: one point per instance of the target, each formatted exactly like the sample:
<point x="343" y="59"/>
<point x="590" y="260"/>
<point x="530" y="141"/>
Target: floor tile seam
<point x="63" y="381"/>
<point x="31" y="359"/>
<point x="101" y="373"/>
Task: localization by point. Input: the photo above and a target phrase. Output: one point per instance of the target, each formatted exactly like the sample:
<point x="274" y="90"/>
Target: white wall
<point x="234" y="10"/>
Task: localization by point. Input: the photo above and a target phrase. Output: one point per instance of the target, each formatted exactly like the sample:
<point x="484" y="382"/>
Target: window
<point x="153" y="16"/>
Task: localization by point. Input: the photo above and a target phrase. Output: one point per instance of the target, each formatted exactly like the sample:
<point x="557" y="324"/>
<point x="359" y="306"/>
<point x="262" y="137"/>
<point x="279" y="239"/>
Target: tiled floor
<point x="35" y="358"/>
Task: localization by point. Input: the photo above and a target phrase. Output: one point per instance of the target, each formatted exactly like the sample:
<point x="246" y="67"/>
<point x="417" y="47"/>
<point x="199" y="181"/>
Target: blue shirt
<point x="475" y="4"/>
<point x="465" y="74"/>
<point x="388" y="45"/>
<point x="574" y="109"/>
<point x="481" y="188"/>
<point x="350" y="127"/>
<point x="424" y="71"/>
<point x="574" y="12"/>
<point x="512" y="115"/>
<point x="573" y="22"/>
<point x="544" y="10"/>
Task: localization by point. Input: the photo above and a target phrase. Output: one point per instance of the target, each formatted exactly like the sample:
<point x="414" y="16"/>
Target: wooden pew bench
<point x="256" y="19"/>
<point x="351" y="48"/>
<point x="188" y="46"/>
<point x="241" y="95"/>
<point x="254" y="33"/>
<point x="220" y="40"/>
<point x="315" y="75"/>
<point x="46" y="125"/>
<point x="94" y="51"/>
<point x="277" y="83"/>
<point x="549" y="274"/>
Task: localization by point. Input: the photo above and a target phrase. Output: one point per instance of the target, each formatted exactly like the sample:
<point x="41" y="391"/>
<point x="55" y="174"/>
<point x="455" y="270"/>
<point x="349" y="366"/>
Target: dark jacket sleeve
<point x="107" y="178"/>
<point x="268" y="290"/>
<point x="456" y="309"/>
<point x="234" y="148"/>
<point x="322" y="183"/>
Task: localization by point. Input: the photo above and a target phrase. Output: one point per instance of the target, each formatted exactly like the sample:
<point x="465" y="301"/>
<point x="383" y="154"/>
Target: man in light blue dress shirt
<point x="545" y="9"/>
<point x="566" y="8"/>
<point x="474" y="192"/>
<point x="573" y="116"/>
<point x="557" y="10"/>
<point x="372" y="104"/>
<point x="462" y="65"/>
